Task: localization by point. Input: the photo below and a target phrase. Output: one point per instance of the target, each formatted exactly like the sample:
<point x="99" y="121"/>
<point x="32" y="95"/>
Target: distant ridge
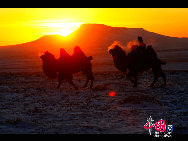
<point x="94" y="39"/>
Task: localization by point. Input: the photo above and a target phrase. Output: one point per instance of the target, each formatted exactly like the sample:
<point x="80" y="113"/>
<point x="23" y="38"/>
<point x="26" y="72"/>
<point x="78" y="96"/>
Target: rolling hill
<point x="94" y="39"/>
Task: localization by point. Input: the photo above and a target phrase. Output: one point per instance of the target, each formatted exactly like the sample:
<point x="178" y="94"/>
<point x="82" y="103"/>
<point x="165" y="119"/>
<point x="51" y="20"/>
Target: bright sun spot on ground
<point x="112" y="93"/>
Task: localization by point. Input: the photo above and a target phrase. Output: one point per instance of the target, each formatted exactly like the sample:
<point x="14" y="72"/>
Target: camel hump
<point x="63" y="53"/>
<point x="78" y="53"/>
<point x="149" y="47"/>
<point x="78" y="50"/>
<point x="134" y="47"/>
<point x="151" y="51"/>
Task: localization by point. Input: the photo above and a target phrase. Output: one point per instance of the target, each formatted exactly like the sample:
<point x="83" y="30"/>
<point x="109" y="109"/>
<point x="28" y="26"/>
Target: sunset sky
<point x="19" y="25"/>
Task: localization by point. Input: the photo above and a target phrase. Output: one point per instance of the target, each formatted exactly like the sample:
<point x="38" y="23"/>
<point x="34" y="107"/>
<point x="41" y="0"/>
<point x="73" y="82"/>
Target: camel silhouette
<point x="66" y="65"/>
<point x="138" y="61"/>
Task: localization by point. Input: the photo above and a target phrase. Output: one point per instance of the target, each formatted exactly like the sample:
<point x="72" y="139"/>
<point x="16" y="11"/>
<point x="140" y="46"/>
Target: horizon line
<point x="93" y="24"/>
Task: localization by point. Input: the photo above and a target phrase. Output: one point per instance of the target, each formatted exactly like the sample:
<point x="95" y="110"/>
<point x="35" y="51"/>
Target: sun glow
<point x="20" y="25"/>
<point x="65" y="32"/>
<point x="61" y="28"/>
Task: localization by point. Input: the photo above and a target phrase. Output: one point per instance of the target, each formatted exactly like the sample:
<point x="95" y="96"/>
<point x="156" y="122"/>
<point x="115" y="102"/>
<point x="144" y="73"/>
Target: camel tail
<point x="163" y="62"/>
<point x="90" y="58"/>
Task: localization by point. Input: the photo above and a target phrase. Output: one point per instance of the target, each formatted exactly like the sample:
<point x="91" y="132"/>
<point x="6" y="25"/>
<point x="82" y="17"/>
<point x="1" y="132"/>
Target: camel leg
<point x="59" y="84"/>
<point x="136" y="79"/>
<point x="69" y="79"/>
<point x="71" y="82"/>
<point x="163" y="76"/>
<point x="92" y="79"/>
<point x="156" y="75"/>
<point x="86" y="82"/>
<point x="60" y="79"/>
<point x="123" y="75"/>
<point x="129" y="77"/>
<point x="89" y="78"/>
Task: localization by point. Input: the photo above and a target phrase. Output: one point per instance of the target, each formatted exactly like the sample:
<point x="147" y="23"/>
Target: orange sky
<point x="19" y="25"/>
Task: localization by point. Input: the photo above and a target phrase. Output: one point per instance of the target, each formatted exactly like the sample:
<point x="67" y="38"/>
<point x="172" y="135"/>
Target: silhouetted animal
<point x="66" y="66"/>
<point x="135" y="62"/>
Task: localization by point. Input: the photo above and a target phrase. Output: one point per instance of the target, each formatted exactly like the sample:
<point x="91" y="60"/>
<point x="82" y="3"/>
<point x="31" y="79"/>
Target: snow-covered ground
<point x="30" y="103"/>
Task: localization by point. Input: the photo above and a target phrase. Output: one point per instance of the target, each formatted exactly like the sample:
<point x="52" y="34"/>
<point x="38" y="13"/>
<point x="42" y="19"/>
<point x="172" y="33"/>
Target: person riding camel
<point x="141" y="46"/>
<point x="141" y="42"/>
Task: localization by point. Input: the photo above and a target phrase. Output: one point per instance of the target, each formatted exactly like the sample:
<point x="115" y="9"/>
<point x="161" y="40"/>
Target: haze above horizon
<point x="19" y="25"/>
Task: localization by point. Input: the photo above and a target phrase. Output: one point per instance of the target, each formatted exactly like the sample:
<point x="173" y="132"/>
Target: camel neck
<point x="121" y="62"/>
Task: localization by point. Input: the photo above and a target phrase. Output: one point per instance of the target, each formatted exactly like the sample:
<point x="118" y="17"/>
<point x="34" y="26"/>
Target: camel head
<point x="47" y="56"/>
<point x="119" y="58"/>
<point x="49" y="64"/>
<point x="116" y="50"/>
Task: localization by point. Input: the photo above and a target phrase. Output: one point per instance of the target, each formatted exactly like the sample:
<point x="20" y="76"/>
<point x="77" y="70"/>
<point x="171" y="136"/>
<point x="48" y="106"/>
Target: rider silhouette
<point x="141" y="46"/>
<point x="141" y="52"/>
<point x="141" y="42"/>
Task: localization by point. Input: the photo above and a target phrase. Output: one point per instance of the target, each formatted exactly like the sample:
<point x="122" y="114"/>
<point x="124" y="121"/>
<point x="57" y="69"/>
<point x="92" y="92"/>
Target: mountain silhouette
<point x="94" y="39"/>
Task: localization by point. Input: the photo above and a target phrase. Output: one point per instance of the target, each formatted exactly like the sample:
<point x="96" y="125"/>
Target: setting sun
<point x="65" y="32"/>
<point x="28" y="24"/>
<point x="59" y="27"/>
